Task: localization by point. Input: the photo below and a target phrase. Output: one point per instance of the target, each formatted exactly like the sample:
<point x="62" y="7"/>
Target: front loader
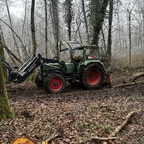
<point x="19" y="75"/>
<point x="75" y="63"/>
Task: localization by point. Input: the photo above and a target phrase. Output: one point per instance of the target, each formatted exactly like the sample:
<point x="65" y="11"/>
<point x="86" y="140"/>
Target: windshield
<point x="65" y="56"/>
<point x="77" y="53"/>
<point x="67" y="48"/>
<point x="74" y="44"/>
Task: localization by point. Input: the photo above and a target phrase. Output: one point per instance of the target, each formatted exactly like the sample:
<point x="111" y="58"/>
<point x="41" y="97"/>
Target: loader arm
<point x="22" y="73"/>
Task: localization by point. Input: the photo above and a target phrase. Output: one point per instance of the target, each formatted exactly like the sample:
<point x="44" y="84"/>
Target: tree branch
<point x="115" y="132"/>
<point x="12" y="54"/>
<point x="120" y="127"/>
<point x="16" y="36"/>
<point x="52" y="137"/>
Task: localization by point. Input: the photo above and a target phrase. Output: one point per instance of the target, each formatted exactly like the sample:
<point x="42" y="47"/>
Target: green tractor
<point x="76" y="64"/>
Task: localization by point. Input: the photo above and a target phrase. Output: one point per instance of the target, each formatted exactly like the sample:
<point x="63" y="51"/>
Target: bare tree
<point x="68" y="16"/>
<point x="129" y="10"/>
<point x="34" y="45"/>
<point x="130" y="37"/>
<point x="46" y="31"/>
<point x="109" y="45"/>
<point x="78" y="24"/>
<point x="85" y="20"/>
<point x="24" y="20"/>
<point x="55" y="22"/>
<point x="15" y="42"/>
<point x="97" y="15"/>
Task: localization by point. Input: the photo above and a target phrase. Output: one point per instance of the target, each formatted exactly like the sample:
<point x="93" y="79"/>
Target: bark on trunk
<point x="130" y="43"/>
<point x="33" y="27"/>
<point x="34" y="45"/>
<point x="2" y="50"/>
<point x="110" y="31"/>
<point x="5" y="110"/>
<point x="55" y="23"/>
<point x="46" y="32"/>
<point x="98" y="16"/>
<point x="85" y="21"/>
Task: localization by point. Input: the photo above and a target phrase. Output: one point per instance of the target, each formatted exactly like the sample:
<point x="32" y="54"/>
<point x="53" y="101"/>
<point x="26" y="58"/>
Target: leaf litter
<point x="75" y="114"/>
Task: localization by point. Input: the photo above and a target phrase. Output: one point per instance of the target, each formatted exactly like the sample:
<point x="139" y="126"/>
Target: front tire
<point x="93" y="76"/>
<point x="54" y="83"/>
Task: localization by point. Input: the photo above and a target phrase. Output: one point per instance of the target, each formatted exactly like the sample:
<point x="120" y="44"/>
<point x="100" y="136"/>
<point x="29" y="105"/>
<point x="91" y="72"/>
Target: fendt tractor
<point x="74" y="63"/>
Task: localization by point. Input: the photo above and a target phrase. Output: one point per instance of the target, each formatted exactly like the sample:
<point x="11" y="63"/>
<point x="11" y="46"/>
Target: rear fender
<point x="89" y="62"/>
<point x="93" y="61"/>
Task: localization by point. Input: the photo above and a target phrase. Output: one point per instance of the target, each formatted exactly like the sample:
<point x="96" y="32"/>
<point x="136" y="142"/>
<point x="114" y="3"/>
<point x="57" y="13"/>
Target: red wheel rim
<point x="93" y="77"/>
<point x="56" y="84"/>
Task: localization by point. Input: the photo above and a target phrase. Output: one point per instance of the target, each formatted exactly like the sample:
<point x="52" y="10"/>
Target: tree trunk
<point x="55" y="23"/>
<point x="33" y="27"/>
<point x="98" y="10"/>
<point x="110" y="31"/>
<point x="68" y="16"/>
<point x="143" y="33"/>
<point x="46" y="32"/>
<point x="78" y="23"/>
<point x="104" y="42"/>
<point x="85" y="21"/>
<point x="130" y="43"/>
<point x="2" y="50"/>
<point x="5" y="110"/>
<point x="32" y="78"/>
<point x="24" y="31"/>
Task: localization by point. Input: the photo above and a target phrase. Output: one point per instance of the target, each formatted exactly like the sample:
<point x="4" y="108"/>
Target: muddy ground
<point x="76" y="115"/>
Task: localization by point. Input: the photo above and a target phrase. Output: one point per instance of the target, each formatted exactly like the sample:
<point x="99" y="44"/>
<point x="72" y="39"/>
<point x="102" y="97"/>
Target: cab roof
<point x="73" y="45"/>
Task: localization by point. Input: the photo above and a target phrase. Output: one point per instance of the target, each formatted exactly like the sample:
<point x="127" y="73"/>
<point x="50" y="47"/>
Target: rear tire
<point x="93" y="76"/>
<point x="54" y="83"/>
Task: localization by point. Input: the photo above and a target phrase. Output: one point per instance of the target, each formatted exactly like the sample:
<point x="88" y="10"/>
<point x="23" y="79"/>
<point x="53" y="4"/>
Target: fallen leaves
<point x="75" y="114"/>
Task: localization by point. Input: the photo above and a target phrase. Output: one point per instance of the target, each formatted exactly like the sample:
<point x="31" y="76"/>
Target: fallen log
<point x="112" y="136"/>
<point x="135" y="76"/>
<point x="104" y="138"/>
<point x="120" y="127"/>
<point x="128" y="84"/>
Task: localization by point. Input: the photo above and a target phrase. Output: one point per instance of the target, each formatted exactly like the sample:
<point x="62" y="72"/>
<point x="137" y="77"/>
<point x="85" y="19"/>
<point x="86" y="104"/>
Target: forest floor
<point x="76" y="115"/>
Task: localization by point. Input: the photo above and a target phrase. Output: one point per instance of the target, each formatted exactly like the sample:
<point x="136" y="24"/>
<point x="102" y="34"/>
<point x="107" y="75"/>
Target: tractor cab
<point x="74" y="51"/>
<point x="66" y="50"/>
